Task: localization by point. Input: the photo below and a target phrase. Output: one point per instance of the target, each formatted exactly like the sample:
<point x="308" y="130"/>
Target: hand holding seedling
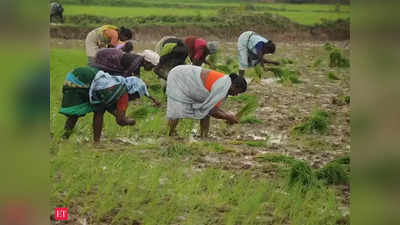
<point x="231" y="119"/>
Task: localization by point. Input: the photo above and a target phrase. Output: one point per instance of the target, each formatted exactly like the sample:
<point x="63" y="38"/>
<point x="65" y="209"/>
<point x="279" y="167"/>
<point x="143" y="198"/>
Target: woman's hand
<point x="156" y="103"/>
<point x="231" y="118"/>
<point x="130" y="122"/>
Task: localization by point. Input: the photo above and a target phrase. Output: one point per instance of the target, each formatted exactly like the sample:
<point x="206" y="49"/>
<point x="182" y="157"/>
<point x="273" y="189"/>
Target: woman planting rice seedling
<point x="88" y="89"/>
<point x="114" y="61"/>
<point x="252" y="48"/>
<point x="107" y="36"/>
<point x="173" y="52"/>
<point x="197" y="93"/>
<point x="199" y="49"/>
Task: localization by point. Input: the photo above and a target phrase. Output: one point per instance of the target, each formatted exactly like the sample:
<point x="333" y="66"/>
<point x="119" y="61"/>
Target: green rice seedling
<point x="259" y="71"/>
<point x="301" y="173"/>
<point x="347" y="99"/>
<point x="332" y="76"/>
<point x="213" y="59"/>
<point x="285" y="75"/>
<point x="256" y="143"/>
<point x="250" y="107"/>
<point x="244" y="98"/>
<point x="176" y="150"/>
<point x="333" y="173"/>
<point x="318" y="62"/>
<point x="345" y="160"/>
<point x="143" y="111"/>
<point x="317" y="123"/>
<point x="213" y="146"/>
<point x="338" y="60"/>
<point x="285" y="61"/>
<point x="251" y="119"/>
<point x="278" y="72"/>
<point x="229" y="61"/>
<point x="329" y="46"/>
<point x="224" y="68"/>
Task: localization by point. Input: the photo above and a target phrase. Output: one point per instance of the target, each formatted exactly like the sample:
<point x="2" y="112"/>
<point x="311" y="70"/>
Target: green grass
<point x="120" y="188"/>
<point x="317" y="123"/>
<point x="332" y="76"/>
<point x="114" y="11"/>
<point x="307" y="14"/>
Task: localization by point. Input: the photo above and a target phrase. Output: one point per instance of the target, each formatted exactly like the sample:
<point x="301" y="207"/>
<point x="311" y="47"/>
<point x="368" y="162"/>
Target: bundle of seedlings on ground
<point x="227" y="67"/>
<point x="251" y="119"/>
<point x="249" y="108"/>
<point x="317" y="123"/>
<point x="333" y="173"/>
<point x="329" y="46"/>
<point x="302" y="174"/>
<point x="332" y="76"/>
<point x="285" y="61"/>
<point x="143" y="111"/>
<point x="338" y="60"/>
<point x="347" y="99"/>
<point x="285" y="75"/>
<point x="318" y="62"/>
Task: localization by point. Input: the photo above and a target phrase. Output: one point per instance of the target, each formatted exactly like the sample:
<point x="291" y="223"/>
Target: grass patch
<point x="338" y="60"/>
<point x="285" y="61"/>
<point x="332" y="76"/>
<point x="318" y="62"/>
<point x="251" y="119"/>
<point x="317" y="124"/>
<point x="302" y="174"/>
<point x="333" y="173"/>
<point x="176" y="150"/>
<point x="285" y="75"/>
<point x="143" y="111"/>
<point x="256" y="143"/>
<point x="347" y="99"/>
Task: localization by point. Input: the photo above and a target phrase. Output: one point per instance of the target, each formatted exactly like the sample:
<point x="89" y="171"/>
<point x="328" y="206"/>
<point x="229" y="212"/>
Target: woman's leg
<point x="69" y="126"/>
<point x="172" y="127"/>
<point x="97" y="125"/>
<point x="204" y="126"/>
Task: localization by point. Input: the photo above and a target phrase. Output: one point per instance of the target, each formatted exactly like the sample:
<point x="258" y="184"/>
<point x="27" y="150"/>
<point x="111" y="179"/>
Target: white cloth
<point x="187" y="96"/>
<point x="151" y="56"/>
<point x="247" y="42"/>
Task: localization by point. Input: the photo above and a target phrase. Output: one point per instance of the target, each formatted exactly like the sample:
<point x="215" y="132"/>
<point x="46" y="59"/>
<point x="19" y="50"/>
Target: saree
<point x="247" y="52"/>
<point x="187" y="96"/>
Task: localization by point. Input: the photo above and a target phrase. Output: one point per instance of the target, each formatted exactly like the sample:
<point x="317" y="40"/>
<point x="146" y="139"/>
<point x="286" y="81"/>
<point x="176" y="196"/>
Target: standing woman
<point x="107" y="36"/>
<point x="200" y="49"/>
<point x="197" y="93"/>
<point x="173" y="52"/>
<point x="114" y="61"/>
<point x="252" y="48"/>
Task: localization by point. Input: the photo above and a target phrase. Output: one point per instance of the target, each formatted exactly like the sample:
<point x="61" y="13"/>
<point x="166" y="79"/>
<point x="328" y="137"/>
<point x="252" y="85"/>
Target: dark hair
<point x="127" y="60"/>
<point x="125" y="32"/>
<point x="270" y="47"/>
<point x="238" y="81"/>
<point x="128" y="47"/>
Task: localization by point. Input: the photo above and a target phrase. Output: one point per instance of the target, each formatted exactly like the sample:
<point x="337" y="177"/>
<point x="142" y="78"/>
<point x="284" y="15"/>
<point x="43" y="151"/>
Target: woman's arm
<point x="271" y="62"/>
<point x="121" y="118"/>
<point x="155" y="101"/>
<point x="216" y="112"/>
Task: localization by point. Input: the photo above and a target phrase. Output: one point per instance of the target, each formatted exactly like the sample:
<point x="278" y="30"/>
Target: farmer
<point x="199" y="49"/>
<point x="88" y="89"/>
<point x="107" y="36"/>
<point x="173" y="52"/>
<point x="56" y="12"/>
<point x="252" y="48"/>
<point x="197" y="93"/>
<point x="114" y="61"/>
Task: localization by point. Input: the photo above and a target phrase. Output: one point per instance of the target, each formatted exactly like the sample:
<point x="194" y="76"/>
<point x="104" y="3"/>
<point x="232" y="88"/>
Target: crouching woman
<point x="197" y="93"/>
<point x="87" y="89"/>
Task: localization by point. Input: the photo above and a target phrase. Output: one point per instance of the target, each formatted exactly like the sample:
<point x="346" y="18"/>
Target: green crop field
<point x="307" y="14"/>
<point x="245" y="174"/>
